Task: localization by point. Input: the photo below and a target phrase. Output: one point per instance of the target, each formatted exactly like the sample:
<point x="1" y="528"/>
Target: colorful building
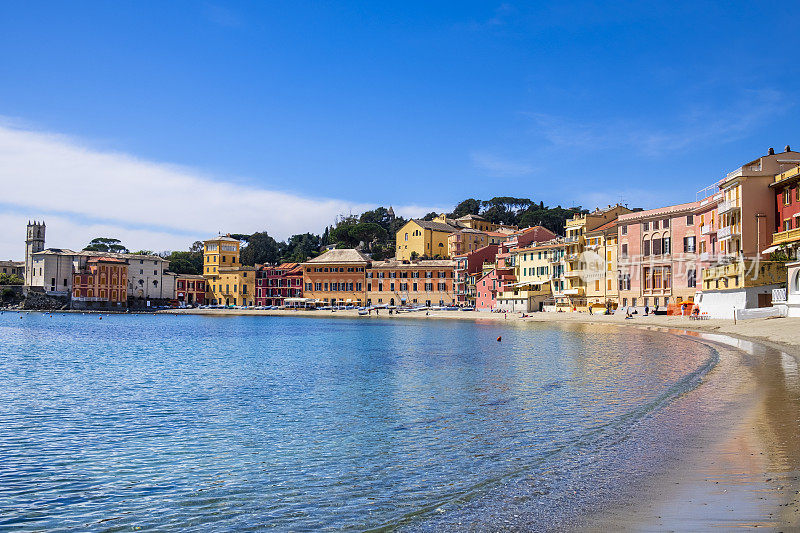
<point x="227" y="281"/>
<point x="100" y="283"/>
<point x="432" y="239"/>
<point x="486" y="289"/>
<point x="466" y="240"/>
<point x="468" y="268"/>
<point x="787" y="201"/>
<point x="13" y="268"/>
<point x="600" y="265"/>
<point x="423" y="239"/>
<point x="337" y="277"/>
<point x="657" y="263"/>
<point x="533" y="269"/>
<point x="275" y="283"/>
<point x="410" y="283"/>
<point x="190" y="289"/>
<point x="573" y="294"/>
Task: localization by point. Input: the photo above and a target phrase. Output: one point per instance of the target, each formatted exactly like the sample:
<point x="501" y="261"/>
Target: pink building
<point x="486" y="290"/>
<point x="657" y="263"/>
<point x="468" y="269"/>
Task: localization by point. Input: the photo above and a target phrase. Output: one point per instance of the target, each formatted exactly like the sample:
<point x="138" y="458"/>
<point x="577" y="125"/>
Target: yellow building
<point x="227" y="281"/>
<point x="423" y="239"/>
<point x="467" y="240"/>
<point x="445" y="237"/>
<point x="600" y="266"/>
<point x="534" y="269"/>
<point x="575" y="241"/>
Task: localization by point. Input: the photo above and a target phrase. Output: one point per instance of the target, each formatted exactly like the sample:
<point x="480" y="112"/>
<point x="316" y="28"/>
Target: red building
<point x="190" y="289"/>
<point x="100" y="282"/>
<point x="468" y="269"/>
<point x="786" y="234"/>
<point x="276" y="283"/>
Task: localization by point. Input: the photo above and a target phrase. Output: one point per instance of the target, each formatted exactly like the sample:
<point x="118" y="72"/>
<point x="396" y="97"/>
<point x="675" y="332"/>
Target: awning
<point x="771" y="249"/>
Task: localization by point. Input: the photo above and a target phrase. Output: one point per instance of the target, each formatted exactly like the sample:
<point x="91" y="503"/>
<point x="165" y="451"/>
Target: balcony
<point x="727" y="232"/>
<point x="572" y="239"/>
<point x="785" y="237"/>
<point x="707" y="229"/>
<point x="576" y="291"/>
<point x="727" y="206"/>
<point x="778" y="295"/>
<point x="573" y="274"/>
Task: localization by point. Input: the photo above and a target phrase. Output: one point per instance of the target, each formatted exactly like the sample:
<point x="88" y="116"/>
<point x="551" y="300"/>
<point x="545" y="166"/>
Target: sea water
<point x="290" y="423"/>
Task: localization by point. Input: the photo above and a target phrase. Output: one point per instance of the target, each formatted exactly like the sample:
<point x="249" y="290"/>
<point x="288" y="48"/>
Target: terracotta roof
<point x="104" y="259"/>
<point x="608" y="225"/>
<point x="343" y="255"/>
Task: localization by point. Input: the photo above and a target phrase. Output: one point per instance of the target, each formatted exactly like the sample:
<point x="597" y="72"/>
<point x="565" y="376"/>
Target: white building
<point x="52" y="269"/>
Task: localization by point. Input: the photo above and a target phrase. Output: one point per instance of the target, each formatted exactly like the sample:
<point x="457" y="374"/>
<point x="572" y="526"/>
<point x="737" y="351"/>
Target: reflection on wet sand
<point x="746" y="471"/>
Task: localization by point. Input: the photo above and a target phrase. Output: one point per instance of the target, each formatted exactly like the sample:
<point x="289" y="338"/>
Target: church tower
<point x="34" y="242"/>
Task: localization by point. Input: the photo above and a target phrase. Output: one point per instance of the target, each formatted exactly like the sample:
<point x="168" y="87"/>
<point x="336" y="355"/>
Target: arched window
<point x="406" y="235"/>
<point x="796" y="284"/>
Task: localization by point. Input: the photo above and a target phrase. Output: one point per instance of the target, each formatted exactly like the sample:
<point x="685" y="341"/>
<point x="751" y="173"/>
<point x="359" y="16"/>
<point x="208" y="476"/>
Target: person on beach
<point x="590" y="309"/>
<point x="646" y="310"/>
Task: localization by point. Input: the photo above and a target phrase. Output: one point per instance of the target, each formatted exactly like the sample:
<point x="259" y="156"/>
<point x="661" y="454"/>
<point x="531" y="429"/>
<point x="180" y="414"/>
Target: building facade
<point x="100" y="283"/>
<point x="337" y="277"/>
<point x="486" y="289"/>
<point x="657" y="264"/>
<point x="786" y="233"/>
<point x="415" y="283"/>
<point x="468" y="268"/>
<point x="190" y="289"/>
<point x="275" y="283"/>
<point x="228" y="283"/>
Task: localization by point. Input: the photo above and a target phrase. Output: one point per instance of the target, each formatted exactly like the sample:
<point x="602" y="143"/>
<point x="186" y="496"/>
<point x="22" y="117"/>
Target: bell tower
<point x="34" y="242"/>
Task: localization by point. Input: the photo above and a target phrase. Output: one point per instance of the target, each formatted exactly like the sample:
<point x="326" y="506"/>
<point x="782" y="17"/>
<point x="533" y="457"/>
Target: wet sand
<point x="740" y="469"/>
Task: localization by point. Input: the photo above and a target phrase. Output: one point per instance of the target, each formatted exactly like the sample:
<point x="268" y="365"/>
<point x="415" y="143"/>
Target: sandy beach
<point x="740" y="469"/>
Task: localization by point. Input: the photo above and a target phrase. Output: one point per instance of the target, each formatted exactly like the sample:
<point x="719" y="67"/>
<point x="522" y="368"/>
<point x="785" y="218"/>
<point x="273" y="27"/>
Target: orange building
<point x="100" y="282"/>
<point x="337" y="277"/>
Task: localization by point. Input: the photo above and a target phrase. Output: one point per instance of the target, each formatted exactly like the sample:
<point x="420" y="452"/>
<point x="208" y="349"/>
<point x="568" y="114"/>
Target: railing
<point x="571" y="239"/>
<point x="727" y="231"/>
<point x="786" y="236"/>
<point x="727" y="205"/>
<point x="706" y="229"/>
<point x="778" y="295"/>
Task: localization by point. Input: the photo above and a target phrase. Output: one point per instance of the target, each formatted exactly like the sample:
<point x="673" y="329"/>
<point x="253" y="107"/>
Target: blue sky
<point x="340" y="106"/>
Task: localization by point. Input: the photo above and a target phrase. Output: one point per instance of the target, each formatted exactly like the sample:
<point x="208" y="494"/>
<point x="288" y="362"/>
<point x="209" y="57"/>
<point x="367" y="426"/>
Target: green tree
<point x="470" y="206"/>
<point x="106" y="244"/>
<point x="186" y="262"/>
<point x="301" y="247"/>
<point x="260" y="249"/>
<point x="11" y="279"/>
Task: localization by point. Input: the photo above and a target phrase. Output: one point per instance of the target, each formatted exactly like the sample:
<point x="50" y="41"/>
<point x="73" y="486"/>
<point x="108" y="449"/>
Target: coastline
<point x="779" y="333"/>
<point x="741" y="468"/>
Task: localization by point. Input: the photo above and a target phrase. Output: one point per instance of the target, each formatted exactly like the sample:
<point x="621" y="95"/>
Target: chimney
<point x="787" y="149"/>
<point x="771" y="151"/>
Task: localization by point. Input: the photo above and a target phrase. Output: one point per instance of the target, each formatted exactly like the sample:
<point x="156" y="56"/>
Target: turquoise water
<point x="160" y="421"/>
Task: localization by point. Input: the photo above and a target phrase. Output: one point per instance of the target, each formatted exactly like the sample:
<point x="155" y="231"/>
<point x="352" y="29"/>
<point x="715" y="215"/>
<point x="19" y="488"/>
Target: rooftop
<point x="342" y="255"/>
<point x="422" y="263"/>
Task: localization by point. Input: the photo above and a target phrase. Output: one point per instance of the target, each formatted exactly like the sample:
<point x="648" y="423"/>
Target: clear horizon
<point x="164" y="124"/>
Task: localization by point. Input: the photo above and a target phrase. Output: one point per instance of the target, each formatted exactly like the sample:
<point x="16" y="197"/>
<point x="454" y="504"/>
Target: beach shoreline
<point x="777" y="332"/>
<point x="740" y="471"/>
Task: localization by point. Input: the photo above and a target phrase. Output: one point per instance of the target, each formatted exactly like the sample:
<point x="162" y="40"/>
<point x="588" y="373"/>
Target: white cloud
<point x="696" y="127"/>
<point x="500" y="167"/>
<point x="146" y="204"/>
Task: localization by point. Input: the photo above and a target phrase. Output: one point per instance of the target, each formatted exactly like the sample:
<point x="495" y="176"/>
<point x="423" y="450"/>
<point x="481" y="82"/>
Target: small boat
<point x="363" y="312"/>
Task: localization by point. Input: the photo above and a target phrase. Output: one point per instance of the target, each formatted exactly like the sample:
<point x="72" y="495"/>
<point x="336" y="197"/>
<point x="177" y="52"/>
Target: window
<point x="665" y="223"/>
<point x="691" y="278"/>
<point x="657" y="247"/>
<point x="655" y="224"/>
<point x="624" y="230"/>
<point x="787" y="196"/>
<point x="646" y="248"/>
<point x="690" y="220"/>
<point x="787" y="224"/>
<point x="645" y="226"/>
<point x="689" y="244"/>
<point x="667" y="245"/>
<point x="624" y="250"/>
